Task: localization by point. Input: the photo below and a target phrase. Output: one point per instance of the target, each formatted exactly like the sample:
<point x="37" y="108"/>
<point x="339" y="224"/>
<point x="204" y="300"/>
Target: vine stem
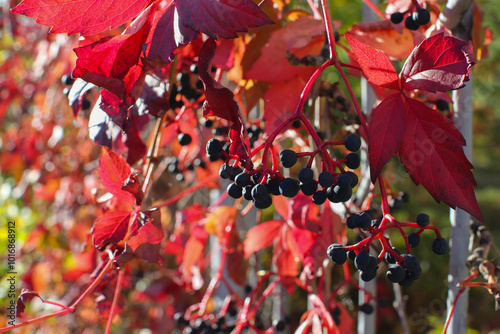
<point x="67" y="310"/>
<point x="118" y="289"/>
<point x="459" y="293"/>
<point x="338" y="66"/>
<point x="375" y="9"/>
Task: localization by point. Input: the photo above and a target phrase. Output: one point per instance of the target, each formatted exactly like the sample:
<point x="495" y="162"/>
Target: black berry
<point x="309" y="189"/>
<point x="67" y="80"/>
<point x="86" y="104"/>
<point x="242" y="179"/>
<point x="410" y="24"/>
<point x="353" y="142"/>
<point x="396" y="274"/>
<point x="319" y="197"/>
<point x="184" y="139"/>
<point x="414" y="240"/>
<point x="366" y="308"/>
<point x="289" y="187"/>
<point x="288" y="158"/>
<point x="362" y="220"/>
<point x="442" y="105"/>
<point x="194" y="69"/>
<point x="214" y="147"/>
<point x="279" y="325"/>
<point x="423" y="220"/>
<point x="259" y="192"/>
<point x="421" y="16"/>
<point x="264" y="204"/>
<point x="344" y="181"/>
<point x="361" y="260"/>
<point x="234" y="191"/>
<point x="352" y="160"/>
<point x="354" y="178"/>
<point x="247" y="193"/>
<point x="225" y="171"/>
<point x="306" y="175"/>
<point x="326" y="179"/>
<point x="440" y="246"/>
<point x="337" y="253"/>
<point x="273" y="186"/>
<point x="397" y="17"/>
<point x="297" y="123"/>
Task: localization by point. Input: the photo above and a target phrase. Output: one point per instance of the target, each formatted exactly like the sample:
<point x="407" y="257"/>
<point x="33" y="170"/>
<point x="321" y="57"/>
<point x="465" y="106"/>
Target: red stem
<point x="67" y="310"/>
<point x="189" y="190"/>
<point x="118" y="289"/>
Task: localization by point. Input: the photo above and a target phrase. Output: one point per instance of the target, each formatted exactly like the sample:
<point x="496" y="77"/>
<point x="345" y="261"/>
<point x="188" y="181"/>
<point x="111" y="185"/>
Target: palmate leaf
<point x="428" y="144"/>
<point x="183" y="19"/>
<point x="433" y="155"/>
<point x="87" y="17"/>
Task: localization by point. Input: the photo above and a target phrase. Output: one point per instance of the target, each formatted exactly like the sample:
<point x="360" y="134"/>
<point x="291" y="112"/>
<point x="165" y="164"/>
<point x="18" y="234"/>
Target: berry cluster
<point x="403" y="268"/>
<point x="258" y="187"/>
<point x="213" y="325"/>
<point x="412" y="22"/>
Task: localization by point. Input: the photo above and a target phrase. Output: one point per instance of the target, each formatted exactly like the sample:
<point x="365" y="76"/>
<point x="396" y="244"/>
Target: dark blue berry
<point x="440" y="246"/>
<point x="288" y="158"/>
<point x="306" y="175"/>
<point x="442" y="105"/>
<point x="411" y="24"/>
<point x="267" y="202"/>
<point x="352" y="160"/>
<point x="225" y="171"/>
<point x="389" y="258"/>
<point x="362" y="220"/>
<point x="412" y="264"/>
<point x="309" y="188"/>
<point x="337" y="253"/>
<point x="423" y="220"/>
<point x="273" y="186"/>
<point x="325" y="179"/>
<point x="289" y="187"/>
<point x="353" y="142"/>
<point x="259" y="192"/>
<point x="234" y="191"/>
<point x="397" y="17"/>
<point x="414" y="240"/>
<point x="214" y="147"/>
<point x="421" y="16"/>
<point x="366" y="308"/>
<point x="344" y="181"/>
<point x="361" y="260"/>
<point x="247" y="193"/>
<point x="396" y="274"/>
<point x="367" y="276"/>
<point x="319" y="197"/>
<point x="242" y="179"/>
<point x="350" y="222"/>
<point x="354" y="178"/>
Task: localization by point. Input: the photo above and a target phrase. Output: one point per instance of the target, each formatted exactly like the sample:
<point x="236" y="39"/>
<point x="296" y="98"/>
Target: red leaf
<point x="180" y="22"/>
<point x="282" y="98"/>
<point x="87" y="17"/>
<point x="146" y="243"/>
<point x="262" y="236"/>
<point x="382" y="36"/>
<point x="286" y="254"/>
<point x="220" y="18"/>
<point x="112" y="227"/>
<point x="432" y="153"/>
<point x="272" y="65"/>
<point x="25" y="297"/>
<point x="439" y="63"/>
<point x="114" y="62"/>
<point x="220" y="102"/>
<point x="168" y="35"/>
<point x="192" y="254"/>
<point x="386" y="130"/>
<point x="374" y="63"/>
<point x="113" y="172"/>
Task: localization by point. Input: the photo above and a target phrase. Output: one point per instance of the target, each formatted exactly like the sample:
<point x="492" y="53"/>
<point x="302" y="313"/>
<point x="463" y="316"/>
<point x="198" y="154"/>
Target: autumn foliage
<point x="135" y="216"/>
